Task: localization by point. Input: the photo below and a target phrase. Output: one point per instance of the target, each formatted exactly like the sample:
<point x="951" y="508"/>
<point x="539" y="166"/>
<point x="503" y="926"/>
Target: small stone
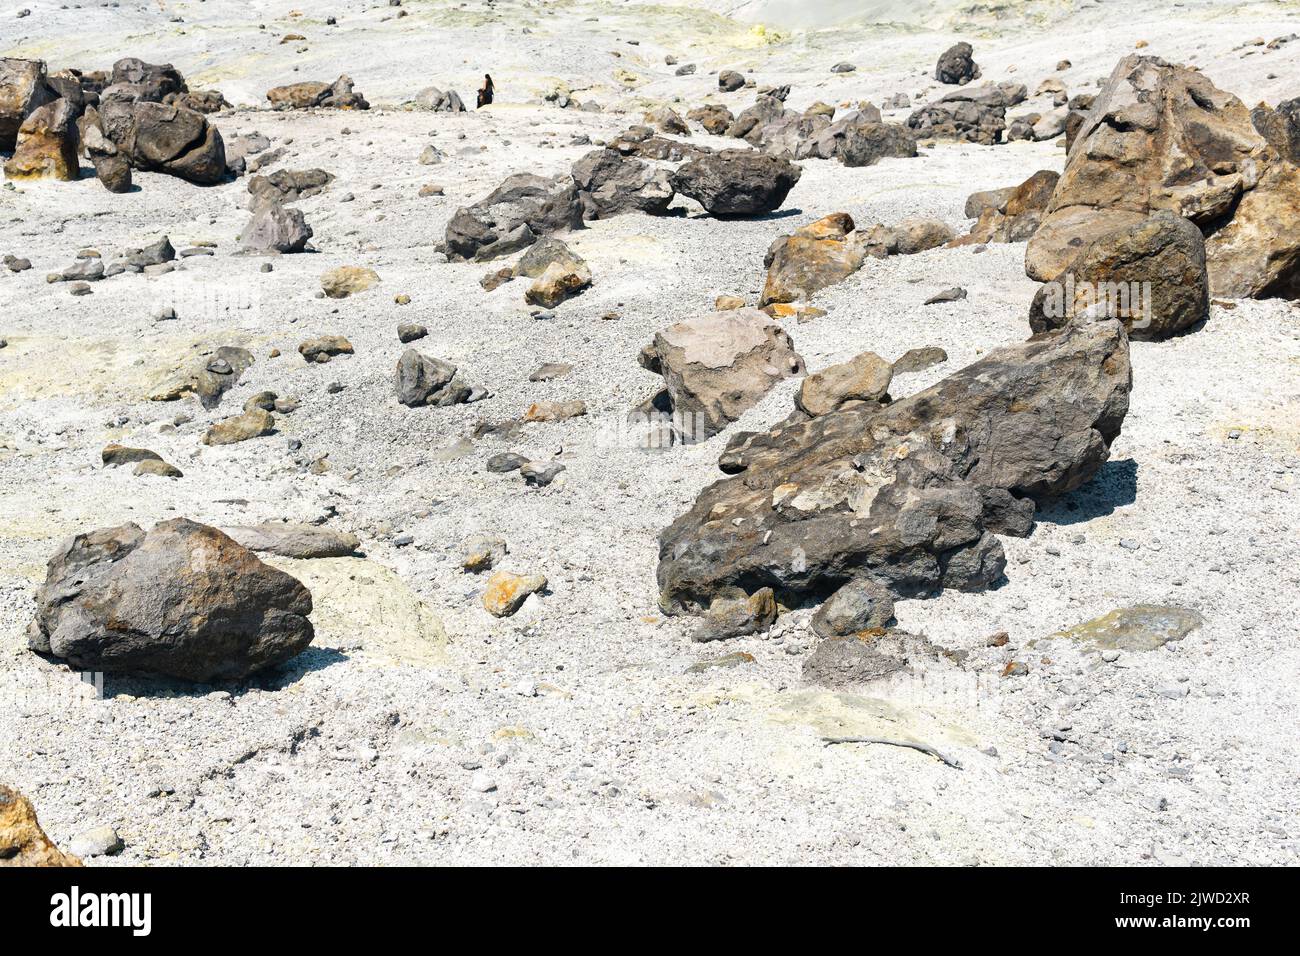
<point x="506" y="592"/>
<point x="101" y="841"/>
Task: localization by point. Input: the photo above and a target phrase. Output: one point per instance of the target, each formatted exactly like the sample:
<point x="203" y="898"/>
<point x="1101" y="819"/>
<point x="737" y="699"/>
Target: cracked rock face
<point x="514" y="216"/>
<point x="23" y="89"/>
<point x="182" y="600"/>
<point x="818" y="255"/>
<point x="1161" y="137"/>
<point x="909" y="493"/>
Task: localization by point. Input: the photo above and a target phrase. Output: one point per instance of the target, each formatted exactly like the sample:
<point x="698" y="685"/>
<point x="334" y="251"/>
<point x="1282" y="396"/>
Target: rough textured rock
<point x="182" y="600"/>
<point x="714" y="117"/>
<point x="863" y="378"/>
<point x="253" y="423"/>
<point x="275" y="229"/>
<point x="737" y="182"/>
<point x="514" y="216"/>
<point x="162" y="138"/>
<point x="729" y="81"/>
<point x="1011" y="214"/>
<point x="610" y="184"/>
<point x="22" y="841"/>
<point x="561" y="280"/>
<point x="112" y="168"/>
<point x="1140" y="628"/>
<point x="300" y="96"/>
<point x="322" y="348"/>
<point x="818" y="255"/>
<point x="860" y="605"/>
<point x="421" y="380"/>
<point x="957" y="65"/>
<point x="506" y="592"/>
<point x="291" y="540"/>
<point x="209" y="377"/>
<point x="1163" y="137"/>
<point x="737" y="615"/>
<point x="432" y="98"/>
<point x="343" y="281"/>
<point x="899" y="491"/>
<point x="971" y="115"/>
<point x="1150" y="275"/>
<point x="717" y="366"/>
<point x="47" y="144"/>
<point x="1280" y="127"/>
<point x="286" y="186"/>
<point x="151" y="81"/>
<point x="23" y="88"/>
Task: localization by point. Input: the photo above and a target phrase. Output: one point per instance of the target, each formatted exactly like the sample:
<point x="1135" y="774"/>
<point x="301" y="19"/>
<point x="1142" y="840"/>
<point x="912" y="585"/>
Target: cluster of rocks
<point x="1163" y="138"/>
<point x="157" y="258"/>
<point x="276" y="227"/>
<point x="826" y="252"/>
<point x="140" y="116"/>
<point x="910" y="494"/>
<point x="971" y="115"/>
<point x="607" y="182"/>
<point x="1010" y="214"/>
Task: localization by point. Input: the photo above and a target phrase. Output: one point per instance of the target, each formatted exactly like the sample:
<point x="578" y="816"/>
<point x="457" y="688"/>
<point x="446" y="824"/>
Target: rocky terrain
<point x="715" y="449"/>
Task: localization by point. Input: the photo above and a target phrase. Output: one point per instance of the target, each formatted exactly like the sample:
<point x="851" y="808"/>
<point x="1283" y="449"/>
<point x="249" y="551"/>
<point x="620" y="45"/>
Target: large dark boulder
<point x="514" y="216"/>
<point x="162" y="138"/>
<point x="23" y="88"/>
<point x="610" y="184"/>
<point x="1163" y="137"/>
<point x="957" y="65"/>
<point x="182" y="600"/>
<point x="910" y="493"/>
<point x="737" y="182"/>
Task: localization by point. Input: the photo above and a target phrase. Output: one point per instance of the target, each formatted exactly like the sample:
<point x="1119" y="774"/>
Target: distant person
<point x="485" y="91"/>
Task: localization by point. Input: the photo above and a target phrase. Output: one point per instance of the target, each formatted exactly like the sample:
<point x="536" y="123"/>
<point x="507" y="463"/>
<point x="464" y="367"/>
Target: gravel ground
<point x="419" y="729"/>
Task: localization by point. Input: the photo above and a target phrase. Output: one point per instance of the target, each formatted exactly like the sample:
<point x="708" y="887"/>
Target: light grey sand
<point x="419" y="728"/>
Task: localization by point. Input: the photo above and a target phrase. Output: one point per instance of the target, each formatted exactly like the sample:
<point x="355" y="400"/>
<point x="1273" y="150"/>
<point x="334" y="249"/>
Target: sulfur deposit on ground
<point x="572" y="720"/>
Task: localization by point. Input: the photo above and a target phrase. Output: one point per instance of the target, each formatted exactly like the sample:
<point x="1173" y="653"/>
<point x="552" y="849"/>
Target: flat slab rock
<point x="292" y="540"/>
<point x="1142" y="627"/>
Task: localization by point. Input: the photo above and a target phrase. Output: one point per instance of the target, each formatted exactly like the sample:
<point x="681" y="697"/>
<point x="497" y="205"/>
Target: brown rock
<point x="821" y="254"/>
<point x="506" y="592"/>
<point x="344" y="281"/>
<point x="22" y="841"/>
<point x="47" y="145"/>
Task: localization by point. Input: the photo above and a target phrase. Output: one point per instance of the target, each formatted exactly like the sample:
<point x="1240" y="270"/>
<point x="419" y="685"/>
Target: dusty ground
<point x="377" y="745"/>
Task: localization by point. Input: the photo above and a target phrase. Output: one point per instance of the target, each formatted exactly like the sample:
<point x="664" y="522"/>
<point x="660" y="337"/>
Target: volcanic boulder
<point x="818" y="255"/>
<point x="610" y="184"/>
<point x="716" y="367"/>
<point x="909" y="493"/>
<point x="181" y="600"/>
<point x="737" y="182"/>
<point x="513" y="216"/>
<point x="1162" y="137"/>
<point x="1150" y="275"/>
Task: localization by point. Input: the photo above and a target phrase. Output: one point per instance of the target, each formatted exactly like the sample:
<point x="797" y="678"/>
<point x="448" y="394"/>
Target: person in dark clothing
<point x="486" y="90"/>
